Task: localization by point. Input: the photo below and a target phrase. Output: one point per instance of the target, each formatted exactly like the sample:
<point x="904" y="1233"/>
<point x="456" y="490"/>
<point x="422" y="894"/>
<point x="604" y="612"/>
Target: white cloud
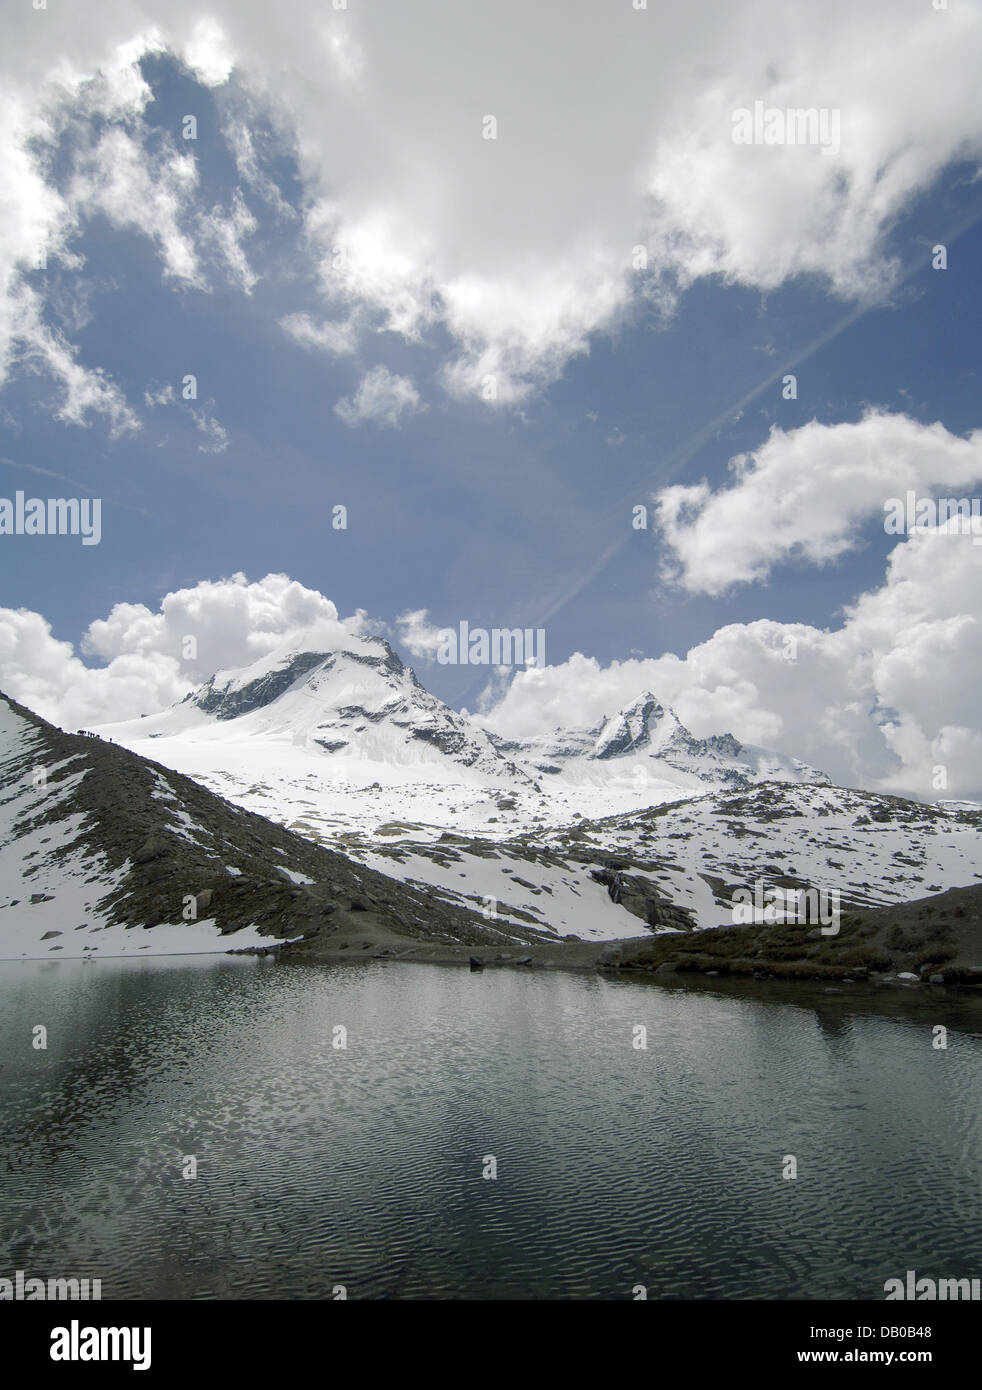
<point x="371" y="262"/>
<point x="214" y="431"/>
<point x="250" y="165"/>
<point x="804" y="494"/>
<point x="233" y="621"/>
<point x="418" y="635"/>
<point x="758" y="214"/>
<point x="117" y="178"/>
<point x="521" y="246"/>
<point x="147" y="666"/>
<point x="226" y="230"/>
<point x="614" y="129"/>
<point x="882" y="700"/>
<point x="212" y="428"/>
<point x="112" y="175"/>
<point x="35" y="224"/>
<point x="86" y="389"/>
<point x="164" y="395"/>
<point x="43" y="673"/>
<point x="340" y="337"/>
<point x="381" y="396"/>
<point x="207" y="53"/>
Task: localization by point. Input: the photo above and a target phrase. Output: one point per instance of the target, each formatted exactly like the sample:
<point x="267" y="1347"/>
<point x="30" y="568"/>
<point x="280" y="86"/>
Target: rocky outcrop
<point x="642" y="898"/>
<point x="228" y="701"/>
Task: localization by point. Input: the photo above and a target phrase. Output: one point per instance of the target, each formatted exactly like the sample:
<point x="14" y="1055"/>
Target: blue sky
<point x="515" y="513"/>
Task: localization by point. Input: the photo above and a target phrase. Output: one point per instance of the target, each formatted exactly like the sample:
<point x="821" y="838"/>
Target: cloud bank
<point x="804" y="494"/>
<point x="502" y="218"/>
<point x="149" y="661"/>
<point x="886" y="700"/>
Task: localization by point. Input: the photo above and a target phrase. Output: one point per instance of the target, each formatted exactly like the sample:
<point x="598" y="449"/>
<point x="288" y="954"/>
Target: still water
<point x="362" y="1167"/>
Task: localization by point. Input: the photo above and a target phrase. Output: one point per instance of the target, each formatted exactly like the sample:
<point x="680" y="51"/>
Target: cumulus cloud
<point x="888" y="699"/>
<point x="418" y="635"/>
<point x="149" y="660"/>
<point x="759" y="214"/>
<point x="510" y="251"/>
<point x="45" y="674"/>
<point x="91" y="119"/>
<point x="804" y="494"/>
<point x="381" y="396"/>
<point x="885" y="700"/>
<point x="207" y="53"/>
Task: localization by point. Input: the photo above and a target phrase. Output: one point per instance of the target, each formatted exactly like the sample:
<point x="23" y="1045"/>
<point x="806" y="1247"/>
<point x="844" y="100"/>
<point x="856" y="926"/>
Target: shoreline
<point x="583" y="957"/>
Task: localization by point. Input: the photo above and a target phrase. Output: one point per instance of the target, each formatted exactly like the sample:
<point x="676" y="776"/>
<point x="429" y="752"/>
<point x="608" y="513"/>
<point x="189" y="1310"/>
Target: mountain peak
<point x="647" y="739"/>
<point x="350" y="697"/>
<point x="633" y="727"/>
<point x="227" y="695"/>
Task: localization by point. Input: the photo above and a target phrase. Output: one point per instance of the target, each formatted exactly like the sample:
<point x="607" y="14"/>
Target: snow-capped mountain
<point x="105" y="843"/>
<point x="347" y="747"/>
<point x="649" y="741"/>
<point x="676" y="866"/>
<point x="358" y="705"/>
<point x="105" y="853"/>
<point x="629" y="826"/>
<point x="357" y="717"/>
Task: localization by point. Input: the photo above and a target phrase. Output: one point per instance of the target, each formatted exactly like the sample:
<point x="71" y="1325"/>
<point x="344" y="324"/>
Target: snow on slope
<point x="357" y="709"/>
<point x="102" y="851"/>
<point x="349" y="740"/>
<point x="647" y="742"/>
<point x="683" y="860"/>
<point x="53" y="879"/>
<point x="535" y="855"/>
<point x="348" y="750"/>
